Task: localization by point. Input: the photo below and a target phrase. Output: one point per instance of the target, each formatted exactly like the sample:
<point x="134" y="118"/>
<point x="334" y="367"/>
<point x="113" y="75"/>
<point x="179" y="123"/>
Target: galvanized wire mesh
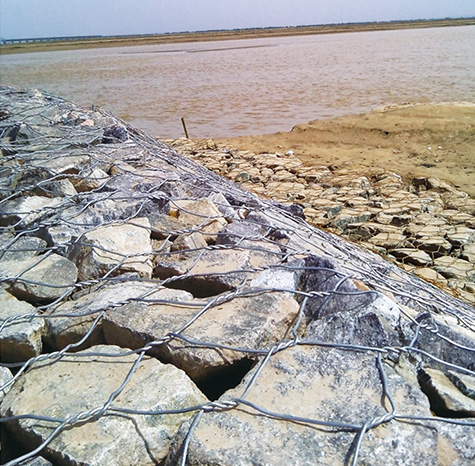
<point x="165" y="179"/>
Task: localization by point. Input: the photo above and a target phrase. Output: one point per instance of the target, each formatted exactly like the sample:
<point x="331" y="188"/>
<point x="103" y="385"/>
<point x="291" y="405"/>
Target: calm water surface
<point x="254" y="86"/>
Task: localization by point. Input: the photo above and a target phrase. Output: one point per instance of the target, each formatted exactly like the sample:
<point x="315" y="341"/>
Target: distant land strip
<point x="69" y="43"/>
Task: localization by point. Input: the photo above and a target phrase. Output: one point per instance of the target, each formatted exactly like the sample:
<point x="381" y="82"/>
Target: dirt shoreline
<point x="411" y="140"/>
<point x="124" y="41"/>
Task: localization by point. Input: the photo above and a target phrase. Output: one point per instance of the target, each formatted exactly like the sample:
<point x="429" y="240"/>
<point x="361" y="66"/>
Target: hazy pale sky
<point x="49" y="18"/>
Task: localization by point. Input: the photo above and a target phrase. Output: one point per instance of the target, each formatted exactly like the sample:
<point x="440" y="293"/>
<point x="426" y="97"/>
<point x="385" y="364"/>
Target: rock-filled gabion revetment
<point x="155" y="313"/>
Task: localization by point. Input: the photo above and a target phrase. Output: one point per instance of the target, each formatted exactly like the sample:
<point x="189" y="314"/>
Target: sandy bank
<point x="413" y="140"/>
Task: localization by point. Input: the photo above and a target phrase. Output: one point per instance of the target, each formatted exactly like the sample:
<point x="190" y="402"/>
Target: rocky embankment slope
<point x="153" y="312"/>
<point x="426" y="226"/>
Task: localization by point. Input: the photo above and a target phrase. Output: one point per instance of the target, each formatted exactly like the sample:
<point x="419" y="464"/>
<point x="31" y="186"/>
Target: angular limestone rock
<point x="468" y="252"/>
<point x="70" y="321"/>
<point x="165" y="227"/>
<point x="79" y="383"/>
<point x="250" y="322"/>
<point x="189" y="241"/>
<point x="460" y="236"/>
<point x="210" y="272"/>
<point x="317" y="384"/>
<point x="20" y="248"/>
<point x="430" y="275"/>
<point x="388" y="240"/>
<point x="59" y="188"/>
<point x="201" y="213"/>
<point x="70" y="163"/>
<point x="451" y="267"/>
<point x="20" y="337"/>
<point x="5" y="377"/>
<point x="435" y="246"/>
<point x="412" y="256"/>
<point x="26" y="210"/>
<point x="90" y="180"/>
<point x="375" y="321"/>
<point x="446" y="399"/>
<point x="40" y="279"/>
<point x="240" y="232"/>
<point x="114" y="249"/>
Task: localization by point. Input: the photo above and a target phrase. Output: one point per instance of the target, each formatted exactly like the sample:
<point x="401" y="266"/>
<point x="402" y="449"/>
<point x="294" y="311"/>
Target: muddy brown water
<point x="256" y="86"/>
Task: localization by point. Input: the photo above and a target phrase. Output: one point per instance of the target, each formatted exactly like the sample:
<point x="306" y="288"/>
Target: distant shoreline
<point x="125" y="41"/>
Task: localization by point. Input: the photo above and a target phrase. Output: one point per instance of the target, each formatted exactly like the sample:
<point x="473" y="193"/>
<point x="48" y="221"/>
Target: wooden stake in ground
<point x="184" y="127"/>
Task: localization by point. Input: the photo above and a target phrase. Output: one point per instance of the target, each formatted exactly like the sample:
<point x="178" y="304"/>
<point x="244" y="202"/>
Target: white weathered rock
<point x="79" y="383"/>
<point x="26" y="210"/>
<point x="210" y="272"/>
<point x="430" y="275"/>
<point x="317" y="384"/>
<point x="201" y="213"/>
<point x="412" y="256"/>
<point x="5" y="377"/>
<point x="251" y="322"/>
<point x="280" y="279"/>
<point x="41" y="278"/>
<point x="388" y="240"/>
<point x="223" y="206"/>
<point x="71" y="320"/>
<point x="114" y="249"/>
<point x="20" y="338"/>
<point x="451" y="267"/>
<point x="189" y="241"/>
<point x="70" y="163"/>
<point x="20" y="248"/>
<point x="447" y="399"/>
<point x="90" y="180"/>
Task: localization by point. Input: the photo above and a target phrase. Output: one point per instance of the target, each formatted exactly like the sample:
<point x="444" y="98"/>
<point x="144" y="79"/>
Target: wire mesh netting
<point x="156" y="313"/>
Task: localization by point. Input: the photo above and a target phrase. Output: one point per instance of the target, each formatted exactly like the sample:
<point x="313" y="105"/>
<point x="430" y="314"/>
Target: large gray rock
<point x="249" y="322"/>
<point x="5" y="377"/>
<point x="321" y="385"/>
<point x="208" y="272"/>
<point x="20" y="248"/>
<point x="446" y="398"/>
<point x="69" y="322"/>
<point x="451" y="267"/>
<point x="40" y="279"/>
<point x="115" y="249"/>
<point x="26" y="210"/>
<point x="374" y="321"/>
<point x="202" y="213"/>
<point x="79" y="384"/>
<point x="21" y="330"/>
